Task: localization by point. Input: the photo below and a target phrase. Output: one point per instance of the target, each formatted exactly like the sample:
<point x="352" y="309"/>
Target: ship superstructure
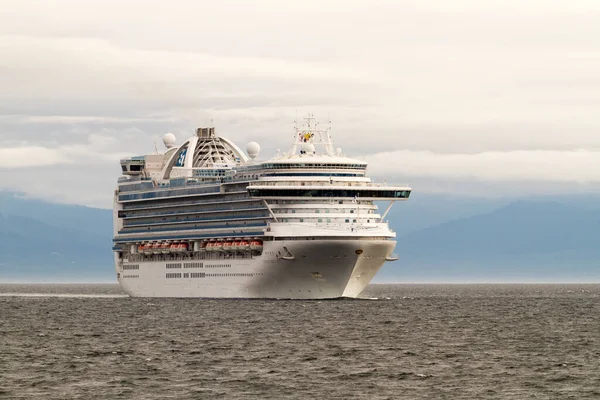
<point x="206" y="219"/>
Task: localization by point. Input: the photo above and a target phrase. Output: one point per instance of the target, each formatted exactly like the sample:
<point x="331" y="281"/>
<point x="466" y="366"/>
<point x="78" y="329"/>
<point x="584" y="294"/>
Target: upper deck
<point x="208" y="188"/>
<point x="210" y="165"/>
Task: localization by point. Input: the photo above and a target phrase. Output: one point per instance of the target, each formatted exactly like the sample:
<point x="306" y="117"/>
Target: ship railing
<point x="338" y="226"/>
<point x="327" y="184"/>
<point x="191" y="182"/>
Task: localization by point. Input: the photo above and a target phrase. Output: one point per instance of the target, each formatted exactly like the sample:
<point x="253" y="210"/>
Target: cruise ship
<point x="206" y="219"/>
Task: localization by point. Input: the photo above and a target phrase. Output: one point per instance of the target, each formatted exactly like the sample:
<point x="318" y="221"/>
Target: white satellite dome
<point x="169" y="140"/>
<point x="308" y="148"/>
<point x="252" y="149"/>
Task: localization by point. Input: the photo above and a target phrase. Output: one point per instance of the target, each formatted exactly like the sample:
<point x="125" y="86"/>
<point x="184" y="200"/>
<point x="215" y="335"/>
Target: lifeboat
<point x="173" y="247"/>
<point x="227" y="246"/>
<point x="182" y="247"/>
<point x="141" y="248"/>
<point x="256" y="245"/>
<point x="244" y="245"/>
<point x="156" y="248"/>
<point x="210" y="246"/>
<point x="165" y="248"/>
<point x="203" y="245"/>
<point x="235" y="245"/>
<point x="218" y="246"/>
<point x="147" y="248"/>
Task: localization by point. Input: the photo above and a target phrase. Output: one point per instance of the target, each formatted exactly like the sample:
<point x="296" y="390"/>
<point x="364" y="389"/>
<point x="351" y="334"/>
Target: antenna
<point x="296" y="124"/>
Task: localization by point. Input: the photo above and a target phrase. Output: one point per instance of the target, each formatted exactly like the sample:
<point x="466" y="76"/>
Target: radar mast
<point x="310" y="135"/>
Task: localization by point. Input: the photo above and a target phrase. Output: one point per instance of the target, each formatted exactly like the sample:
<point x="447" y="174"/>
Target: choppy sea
<point x="398" y="342"/>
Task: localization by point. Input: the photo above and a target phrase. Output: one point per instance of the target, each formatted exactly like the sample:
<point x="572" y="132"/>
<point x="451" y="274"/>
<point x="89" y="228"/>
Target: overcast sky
<point x="477" y="97"/>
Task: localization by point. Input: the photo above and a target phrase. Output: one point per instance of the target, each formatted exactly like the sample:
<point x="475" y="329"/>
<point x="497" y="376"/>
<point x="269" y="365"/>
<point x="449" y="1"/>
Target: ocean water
<point x="399" y="342"/>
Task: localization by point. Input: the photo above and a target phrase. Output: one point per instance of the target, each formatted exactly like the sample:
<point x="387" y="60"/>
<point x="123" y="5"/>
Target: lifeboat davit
<point x="256" y="245"/>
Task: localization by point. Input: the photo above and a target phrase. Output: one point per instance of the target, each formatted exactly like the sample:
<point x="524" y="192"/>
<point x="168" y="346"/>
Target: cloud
<point x="579" y="166"/>
<point x="461" y="91"/>
<point x="76" y="120"/>
<point x="32" y="156"/>
<point x="98" y="149"/>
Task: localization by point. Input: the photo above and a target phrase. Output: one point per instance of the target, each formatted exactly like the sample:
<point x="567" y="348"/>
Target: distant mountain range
<point x="41" y="241"/>
<point x="441" y="238"/>
<point x="524" y="241"/>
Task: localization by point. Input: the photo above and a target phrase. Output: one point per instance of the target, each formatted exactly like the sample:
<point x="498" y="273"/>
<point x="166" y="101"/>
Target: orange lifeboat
<point x="156" y="248"/>
<point x="165" y="248"/>
<point x="147" y="248"/>
<point x="235" y="245"/>
<point x="227" y="246"/>
<point x="173" y="247"/>
<point x="256" y="245"/>
<point x="218" y="246"/>
<point x="141" y="248"/>
<point x="244" y="245"/>
<point x="182" y="247"/>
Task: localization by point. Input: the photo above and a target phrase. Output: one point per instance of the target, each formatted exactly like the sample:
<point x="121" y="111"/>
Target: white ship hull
<point x="295" y="269"/>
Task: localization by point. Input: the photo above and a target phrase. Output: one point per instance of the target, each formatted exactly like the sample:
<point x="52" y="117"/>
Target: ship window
<point x="124" y="168"/>
<point x="351" y="211"/>
<point x="301" y="219"/>
<point x="328" y="219"/>
<point x="353" y="220"/>
<point x="347" y="220"/>
<point x="319" y="220"/>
